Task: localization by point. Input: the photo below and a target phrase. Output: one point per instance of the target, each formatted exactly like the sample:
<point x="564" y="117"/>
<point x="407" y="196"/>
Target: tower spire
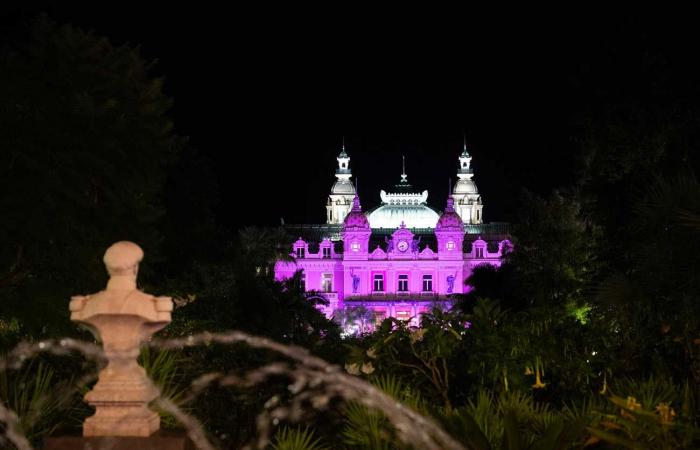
<point x="342" y="149"/>
<point x="340" y="199"/>
<point x="403" y="169"/>
<point x="465" y="196"/>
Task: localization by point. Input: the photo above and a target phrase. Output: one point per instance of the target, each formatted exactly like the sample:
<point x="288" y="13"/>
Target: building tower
<point x="466" y="196"/>
<point x="356" y="233"/>
<point x="449" y="232"/>
<point x="342" y="192"/>
<point x="403" y="206"/>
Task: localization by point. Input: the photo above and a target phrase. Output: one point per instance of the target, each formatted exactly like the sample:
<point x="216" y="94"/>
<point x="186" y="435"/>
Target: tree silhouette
<point x="86" y="145"/>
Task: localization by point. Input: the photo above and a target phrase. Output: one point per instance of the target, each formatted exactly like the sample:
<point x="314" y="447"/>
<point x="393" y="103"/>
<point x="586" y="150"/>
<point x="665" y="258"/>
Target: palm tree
<point x="261" y="248"/>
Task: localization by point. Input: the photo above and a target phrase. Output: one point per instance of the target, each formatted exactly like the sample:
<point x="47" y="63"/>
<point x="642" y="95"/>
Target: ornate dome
<point x="414" y="216"/>
<point x="343" y="186"/>
<point x="356" y="218"/>
<point x="465" y="186"/>
<point x="449" y="219"/>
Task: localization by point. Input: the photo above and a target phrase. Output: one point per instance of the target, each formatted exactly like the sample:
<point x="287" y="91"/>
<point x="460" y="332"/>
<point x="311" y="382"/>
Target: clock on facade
<point x="402" y="246"/>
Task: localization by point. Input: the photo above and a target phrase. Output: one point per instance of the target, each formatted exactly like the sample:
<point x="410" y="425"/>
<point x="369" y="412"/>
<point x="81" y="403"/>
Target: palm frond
<point x="296" y="439"/>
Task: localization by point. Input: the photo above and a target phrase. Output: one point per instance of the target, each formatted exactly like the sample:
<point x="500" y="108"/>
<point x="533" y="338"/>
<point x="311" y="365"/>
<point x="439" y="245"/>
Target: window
<point x="326" y="252"/>
<point x="479" y="252"/>
<point x="327" y="282"/>
<point x="300" y="252"/>
<point x="477" y="214"/>
<point x="378" y="285"/>
<point x="427" y="283"/>
<point x="403" y="283"/>
<point x="450" y="245"/>
<point x="302" y="282"/>
<point x="379" y="316"/>
<point x="355" y="246"/>
<point x="403" y="315"/>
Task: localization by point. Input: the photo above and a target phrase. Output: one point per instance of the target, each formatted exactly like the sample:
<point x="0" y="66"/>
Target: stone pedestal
<point x="158" y="441"/>
<point x="123" y="317"/>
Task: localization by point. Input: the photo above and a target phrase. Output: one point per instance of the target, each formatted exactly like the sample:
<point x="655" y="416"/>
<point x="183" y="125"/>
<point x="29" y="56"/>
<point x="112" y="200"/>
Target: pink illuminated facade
<point x="401" y="271"/>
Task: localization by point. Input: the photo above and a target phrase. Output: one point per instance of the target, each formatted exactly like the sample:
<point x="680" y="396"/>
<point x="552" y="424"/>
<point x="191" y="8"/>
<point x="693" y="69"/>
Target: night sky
<point x="268" y="95"/>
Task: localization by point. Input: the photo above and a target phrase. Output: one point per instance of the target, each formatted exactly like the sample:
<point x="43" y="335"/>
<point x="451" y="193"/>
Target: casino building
<point x="401" y="258"/>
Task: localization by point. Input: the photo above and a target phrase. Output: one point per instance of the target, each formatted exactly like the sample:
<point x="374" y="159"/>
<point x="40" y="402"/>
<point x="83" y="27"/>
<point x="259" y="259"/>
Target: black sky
<point x="268" y="94"/>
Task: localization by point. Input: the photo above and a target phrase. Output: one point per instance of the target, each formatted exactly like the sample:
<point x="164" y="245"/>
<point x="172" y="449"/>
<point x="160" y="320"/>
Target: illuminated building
<point x="400" y="258"/>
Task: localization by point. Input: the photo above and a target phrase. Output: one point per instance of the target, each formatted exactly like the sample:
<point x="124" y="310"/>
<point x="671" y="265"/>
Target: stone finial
<point x="356" y="204"/>
<point x="450" y="208"/>
<point x="123" y="317"/>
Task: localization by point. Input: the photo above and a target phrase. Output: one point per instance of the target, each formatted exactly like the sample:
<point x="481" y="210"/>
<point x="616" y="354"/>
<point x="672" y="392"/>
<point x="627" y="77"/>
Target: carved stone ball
<point x="122" y="258"/>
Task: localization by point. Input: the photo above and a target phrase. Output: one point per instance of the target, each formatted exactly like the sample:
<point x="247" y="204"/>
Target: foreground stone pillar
<point x="123" y="317"/>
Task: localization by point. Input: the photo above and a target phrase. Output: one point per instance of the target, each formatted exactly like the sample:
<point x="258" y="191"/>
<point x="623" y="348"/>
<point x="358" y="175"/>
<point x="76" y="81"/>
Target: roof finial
<point x="464" y="136"/>
<point x="403" y="169"/>
<point x="450" y="208"/>
<point x="342" y="149"/>
<point x="356" y="203"/>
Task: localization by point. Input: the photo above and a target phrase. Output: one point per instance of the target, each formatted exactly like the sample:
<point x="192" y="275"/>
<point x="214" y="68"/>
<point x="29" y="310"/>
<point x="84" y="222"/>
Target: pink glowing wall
<point x="341" y="270"/>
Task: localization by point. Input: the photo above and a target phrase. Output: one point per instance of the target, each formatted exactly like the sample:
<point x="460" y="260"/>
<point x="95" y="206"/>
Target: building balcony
<point x="331" y="296"/>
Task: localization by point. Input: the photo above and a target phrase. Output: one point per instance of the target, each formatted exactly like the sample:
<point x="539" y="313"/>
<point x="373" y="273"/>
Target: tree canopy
<point x="86" y="148"/>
